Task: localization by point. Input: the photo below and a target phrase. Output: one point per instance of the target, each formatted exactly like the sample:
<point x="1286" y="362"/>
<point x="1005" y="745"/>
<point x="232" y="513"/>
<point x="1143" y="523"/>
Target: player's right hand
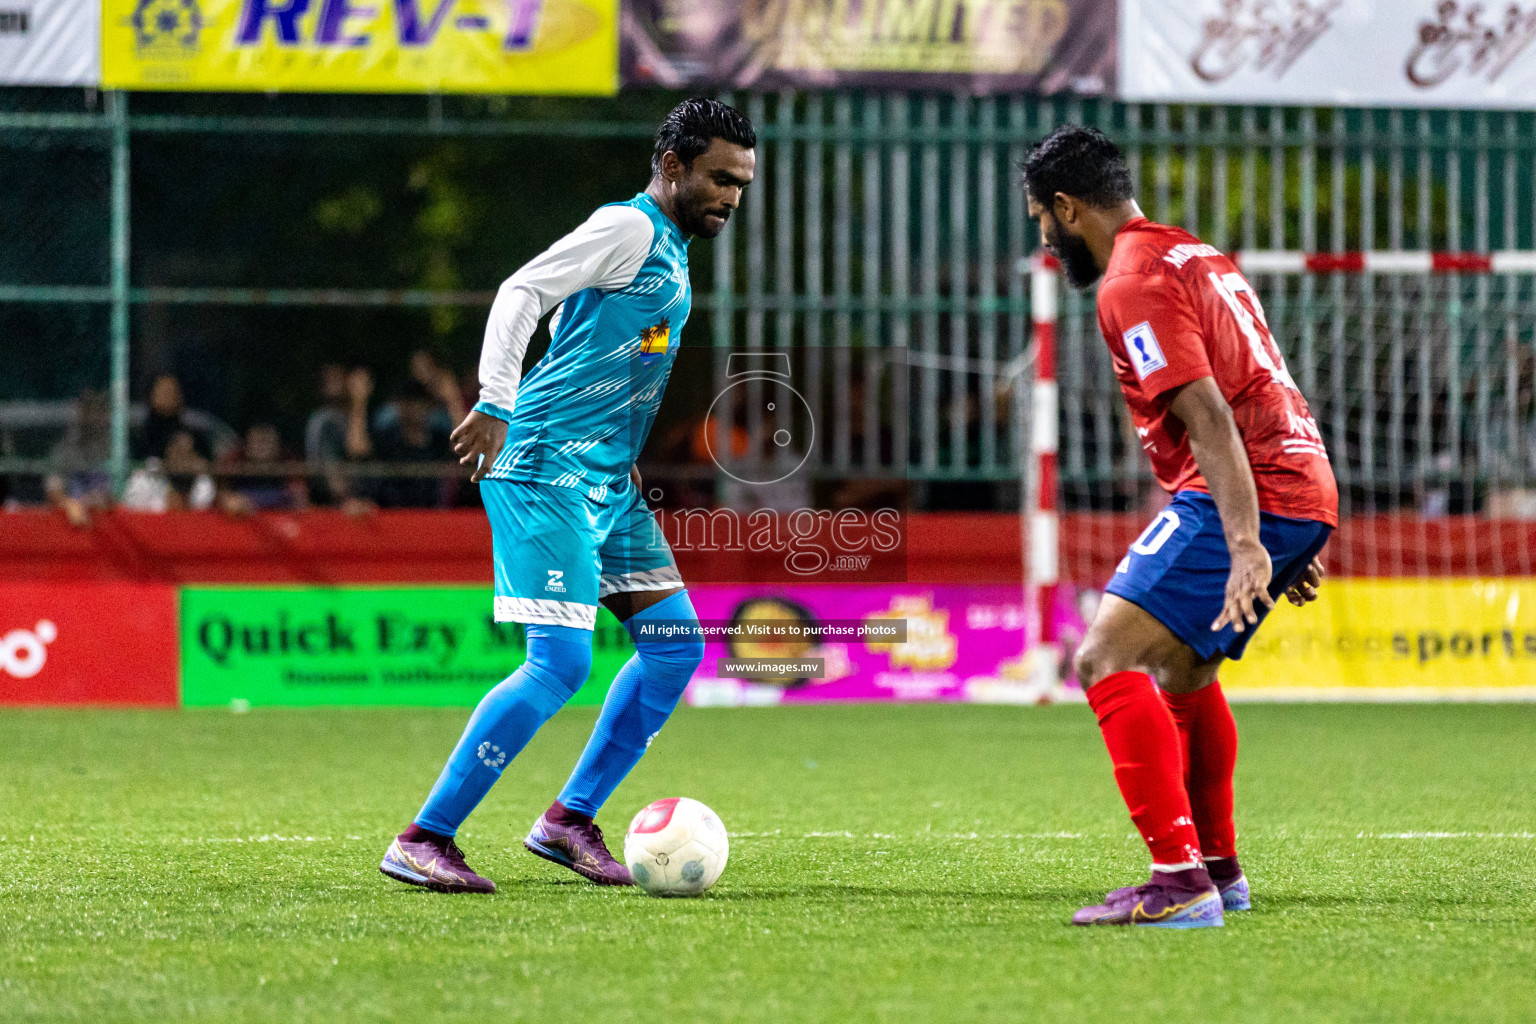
<point x="1247" y="583"/>
<point x="477" y="441"/>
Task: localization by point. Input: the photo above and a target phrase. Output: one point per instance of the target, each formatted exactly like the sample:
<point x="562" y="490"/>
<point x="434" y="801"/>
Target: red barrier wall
<point x="108" y="643"/>
<point x="321" y="547"/>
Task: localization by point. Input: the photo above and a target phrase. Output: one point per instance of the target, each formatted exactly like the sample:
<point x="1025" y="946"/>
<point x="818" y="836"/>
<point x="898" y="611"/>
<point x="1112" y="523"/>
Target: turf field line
<point x="925" y="834"/>
<point x="929" y="834"/>
<point x="1445" y="835"/>
<point x="272" y="838"/>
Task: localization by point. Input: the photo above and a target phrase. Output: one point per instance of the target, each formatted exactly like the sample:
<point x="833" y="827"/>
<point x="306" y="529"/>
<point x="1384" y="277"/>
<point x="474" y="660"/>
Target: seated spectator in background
<point x="260" y="485"/>
<point x="413" y="438"/>
<point x="325" y="437"/>
<point x="448" y="408"/>
<point x="81" y="481"/>
<point x="186" y="473"/>
<point x="166" y="419"/>
<point x="179" y="482"/>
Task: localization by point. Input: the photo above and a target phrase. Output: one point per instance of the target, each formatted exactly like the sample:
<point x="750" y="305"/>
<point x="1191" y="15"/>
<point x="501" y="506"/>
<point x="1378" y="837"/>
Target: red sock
<point x="1143" y="743"/>
<point x="1209" y="737"/>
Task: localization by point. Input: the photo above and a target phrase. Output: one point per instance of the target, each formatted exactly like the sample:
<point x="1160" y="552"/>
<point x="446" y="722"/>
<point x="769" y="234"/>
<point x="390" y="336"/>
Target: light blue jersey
<point x="568" y="526"/>
<point x="582" y="414"/>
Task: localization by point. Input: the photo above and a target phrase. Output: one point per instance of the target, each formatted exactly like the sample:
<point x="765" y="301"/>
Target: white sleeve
<point x="606" y="252"/>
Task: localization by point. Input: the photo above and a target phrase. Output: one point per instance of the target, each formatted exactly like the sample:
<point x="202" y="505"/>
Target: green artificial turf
<point x="887" y="864"/>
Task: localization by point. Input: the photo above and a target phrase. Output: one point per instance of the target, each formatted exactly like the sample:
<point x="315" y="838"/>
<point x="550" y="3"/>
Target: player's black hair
<point x="693" y="124"/>
<point x="1080" y="162"/>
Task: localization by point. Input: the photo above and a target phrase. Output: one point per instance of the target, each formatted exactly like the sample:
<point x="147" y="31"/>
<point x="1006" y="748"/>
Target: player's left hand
<point x="1247" y="583"/>
<point x="477" y="441"/>
<point x="634" y="476"/>
<point x="1305" y="588"/>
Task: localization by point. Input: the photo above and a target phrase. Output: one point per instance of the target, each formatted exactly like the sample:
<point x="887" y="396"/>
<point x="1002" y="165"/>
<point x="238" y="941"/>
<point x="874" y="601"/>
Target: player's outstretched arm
<point x="1218" y="450"/>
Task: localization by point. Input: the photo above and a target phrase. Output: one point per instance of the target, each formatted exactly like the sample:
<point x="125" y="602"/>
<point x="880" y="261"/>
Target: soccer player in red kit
<point x="1254" y="501"/>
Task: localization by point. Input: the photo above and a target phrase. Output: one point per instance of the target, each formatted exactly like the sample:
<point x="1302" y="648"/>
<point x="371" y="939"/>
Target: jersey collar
<point x="650" y="201"/>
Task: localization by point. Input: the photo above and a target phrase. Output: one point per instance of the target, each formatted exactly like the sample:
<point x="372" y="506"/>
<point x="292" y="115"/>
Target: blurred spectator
<point x="325" y="437"/>
<point x="186" y="471"/>
<point x="167" y="418"/>
<point x="147" y="490"/>
<point x="359" y="389"/>
<point x="81" y="481"/>
<point x="261" y="485"/>
<point x="180" y="481"/>
<point x="412" y="439"/>
<point x="448" y="407"/>
<point x="690" y="444"/>
<point x="863" y="489"/>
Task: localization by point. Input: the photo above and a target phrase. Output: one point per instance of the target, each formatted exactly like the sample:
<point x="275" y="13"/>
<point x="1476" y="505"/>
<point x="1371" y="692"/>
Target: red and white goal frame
<point x="1444" y="341"/>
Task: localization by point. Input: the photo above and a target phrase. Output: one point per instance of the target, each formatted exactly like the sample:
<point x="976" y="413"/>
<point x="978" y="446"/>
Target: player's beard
<point x="1076" y="258"/>
<point x="693" y="214"/>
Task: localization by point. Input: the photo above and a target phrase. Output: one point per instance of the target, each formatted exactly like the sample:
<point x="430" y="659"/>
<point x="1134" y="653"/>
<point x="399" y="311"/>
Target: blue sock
<point x="642" y="697"/>
<point x="559" y="661"/>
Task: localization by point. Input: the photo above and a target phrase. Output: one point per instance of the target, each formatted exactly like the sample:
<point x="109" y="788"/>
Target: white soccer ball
<point x="676" y="847"/>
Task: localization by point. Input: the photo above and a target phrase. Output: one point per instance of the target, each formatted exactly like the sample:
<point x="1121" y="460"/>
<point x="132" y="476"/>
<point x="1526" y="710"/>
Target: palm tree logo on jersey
<point x="654" y="341"/>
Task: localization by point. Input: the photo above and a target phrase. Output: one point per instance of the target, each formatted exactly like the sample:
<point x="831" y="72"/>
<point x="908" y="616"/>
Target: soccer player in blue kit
<point x="555" y="458"/>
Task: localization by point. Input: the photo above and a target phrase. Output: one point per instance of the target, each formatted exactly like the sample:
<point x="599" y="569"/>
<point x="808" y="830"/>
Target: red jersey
<point x="1173" y="310"/>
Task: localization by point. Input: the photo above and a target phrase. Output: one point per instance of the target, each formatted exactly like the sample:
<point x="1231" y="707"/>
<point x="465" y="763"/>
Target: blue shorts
<point x="558" y="550"/>
<point x="1177" y="569"/>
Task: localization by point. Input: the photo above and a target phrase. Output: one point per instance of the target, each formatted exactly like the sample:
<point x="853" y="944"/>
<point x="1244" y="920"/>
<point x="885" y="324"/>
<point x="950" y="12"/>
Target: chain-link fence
<point x="246" y="244"/>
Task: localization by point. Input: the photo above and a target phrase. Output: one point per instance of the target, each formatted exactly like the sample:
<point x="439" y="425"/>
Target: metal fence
<point x="883" y="244"/>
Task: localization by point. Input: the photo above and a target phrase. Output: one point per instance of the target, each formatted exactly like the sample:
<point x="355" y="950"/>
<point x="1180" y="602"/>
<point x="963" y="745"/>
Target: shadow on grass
<point x="817" y="892"/>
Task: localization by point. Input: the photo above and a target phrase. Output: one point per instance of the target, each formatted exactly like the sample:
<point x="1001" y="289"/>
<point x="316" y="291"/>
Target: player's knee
<point x="675" y="659"/>
<point x="1096" y="659"/>
<point x="561" y="656"/>
<point x="1181" y="679"/>
<point x="670" y="657"/>
<point x="1085" y="664"/>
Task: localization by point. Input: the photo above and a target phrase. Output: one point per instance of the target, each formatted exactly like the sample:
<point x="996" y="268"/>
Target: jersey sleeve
<point x="1156" y="321"/>
<point x="606" y="252"/>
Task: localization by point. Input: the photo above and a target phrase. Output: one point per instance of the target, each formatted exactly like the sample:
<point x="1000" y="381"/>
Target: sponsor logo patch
<point x="1142" y="349"/>
<point x="655" y="340"/>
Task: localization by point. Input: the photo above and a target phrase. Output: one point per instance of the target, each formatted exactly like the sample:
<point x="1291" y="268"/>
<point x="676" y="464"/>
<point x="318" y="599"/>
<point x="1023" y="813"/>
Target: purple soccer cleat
<point x="435" y="862"/>
<point x="1234" y="895"/>
<point x="1174" y="899"/>
<point x="1230" y="882"/>
<point x="575" y="842"/>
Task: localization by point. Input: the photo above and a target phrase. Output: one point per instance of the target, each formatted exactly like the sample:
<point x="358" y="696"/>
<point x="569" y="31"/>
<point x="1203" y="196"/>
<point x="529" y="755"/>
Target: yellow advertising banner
<point x="533" y="47"/>
<point x="1397" y="638"/>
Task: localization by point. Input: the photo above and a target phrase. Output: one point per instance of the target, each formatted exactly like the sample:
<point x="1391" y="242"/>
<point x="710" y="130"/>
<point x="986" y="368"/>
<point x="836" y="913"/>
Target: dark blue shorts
<point x="1177" y="569"/>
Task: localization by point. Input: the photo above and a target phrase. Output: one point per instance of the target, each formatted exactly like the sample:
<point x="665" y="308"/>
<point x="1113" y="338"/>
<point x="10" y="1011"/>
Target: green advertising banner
<point x="282" y="646"/>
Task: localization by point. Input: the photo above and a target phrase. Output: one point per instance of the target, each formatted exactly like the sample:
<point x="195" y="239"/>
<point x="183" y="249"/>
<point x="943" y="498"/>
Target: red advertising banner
<point x="88" y="643"/>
